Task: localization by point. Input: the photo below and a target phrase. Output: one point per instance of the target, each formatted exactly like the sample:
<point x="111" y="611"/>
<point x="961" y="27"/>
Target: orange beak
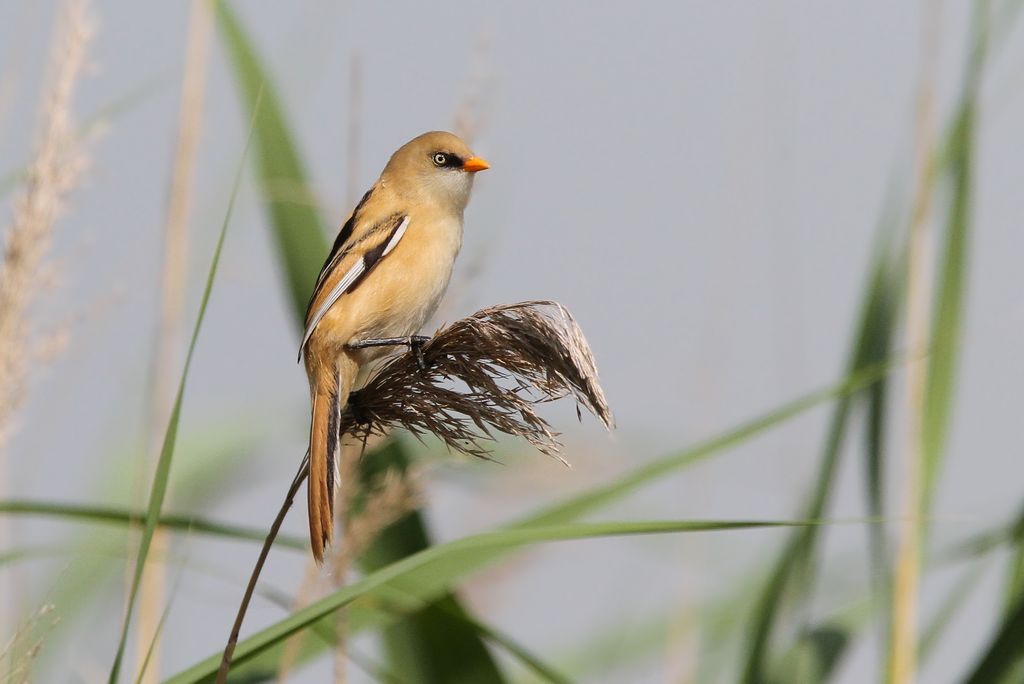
<point x="474" y="164"/>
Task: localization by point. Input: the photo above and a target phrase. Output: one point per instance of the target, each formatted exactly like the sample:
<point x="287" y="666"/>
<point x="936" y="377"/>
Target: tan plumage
<point x="386" y="275"/>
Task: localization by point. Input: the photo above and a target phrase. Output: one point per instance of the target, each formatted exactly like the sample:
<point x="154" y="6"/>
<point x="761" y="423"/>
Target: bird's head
<point x="437" y="166"/>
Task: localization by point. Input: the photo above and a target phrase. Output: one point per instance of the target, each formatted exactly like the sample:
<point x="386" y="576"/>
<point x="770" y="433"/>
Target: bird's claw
<point x="416" y="343"/>
<point x="413" y="342"/>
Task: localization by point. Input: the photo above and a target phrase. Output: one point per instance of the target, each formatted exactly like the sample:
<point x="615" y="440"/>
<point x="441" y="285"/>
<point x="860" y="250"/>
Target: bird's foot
<point x="413" y="342"/>
<point x="416" y="343"/>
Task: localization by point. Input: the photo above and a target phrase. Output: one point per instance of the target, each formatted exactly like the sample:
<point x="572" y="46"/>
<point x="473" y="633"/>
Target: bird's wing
<point x="368" y="250"/>
<point x="338" y="250"/>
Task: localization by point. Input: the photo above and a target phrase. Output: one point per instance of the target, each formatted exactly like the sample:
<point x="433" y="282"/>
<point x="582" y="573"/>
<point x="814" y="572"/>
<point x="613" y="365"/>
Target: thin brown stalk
<point x="292" y="192"/>
<point x="57" y="164"/>
<point x="903" y="643"/>
<point x="275" y="527"/>
<point x="169" y="334"/>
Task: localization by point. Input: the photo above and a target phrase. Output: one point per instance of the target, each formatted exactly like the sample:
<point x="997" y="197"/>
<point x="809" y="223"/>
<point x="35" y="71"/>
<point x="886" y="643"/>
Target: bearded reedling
<point x="384" y="278"/>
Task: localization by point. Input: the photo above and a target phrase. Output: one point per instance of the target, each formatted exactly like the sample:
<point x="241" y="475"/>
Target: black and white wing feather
<point x="397" y="225"/>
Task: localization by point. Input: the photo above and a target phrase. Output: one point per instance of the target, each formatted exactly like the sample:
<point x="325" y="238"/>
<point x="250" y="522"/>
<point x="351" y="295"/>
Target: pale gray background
<point x="699" y="182"/>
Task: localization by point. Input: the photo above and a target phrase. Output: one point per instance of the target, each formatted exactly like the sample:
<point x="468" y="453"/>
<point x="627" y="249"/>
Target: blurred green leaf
<point x="1015" y="593"/>
<point x="1010" y="665"/>
<point x="818" y="649"/>
<point x="449" y="560"/>
<point x="532" y="662"/>
<point x="296" y="223"/>
<point x="815" y="655"/>
<point x="1015" y="578"/>
<point x="383" y="610"/>
<point x="163" y="467"/>
<point x="83" y="513"/>
<point x="794" y="565"/>
<point x="951" y="280"/>
<point x="887" y="283"/>
<point x="437" y="642"/>
<point x="544" y="671"/>
<point x="1003" y="652"/>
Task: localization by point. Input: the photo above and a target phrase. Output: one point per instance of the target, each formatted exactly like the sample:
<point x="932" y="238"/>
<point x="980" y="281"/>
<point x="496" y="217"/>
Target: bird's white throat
<point x="450" y="188"/>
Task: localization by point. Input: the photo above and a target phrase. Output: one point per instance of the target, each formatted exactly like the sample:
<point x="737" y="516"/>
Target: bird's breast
<point x="408" y="284"/>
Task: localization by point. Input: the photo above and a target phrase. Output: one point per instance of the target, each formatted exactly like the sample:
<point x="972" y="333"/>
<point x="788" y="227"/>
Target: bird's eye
<point x="440" y="159"/>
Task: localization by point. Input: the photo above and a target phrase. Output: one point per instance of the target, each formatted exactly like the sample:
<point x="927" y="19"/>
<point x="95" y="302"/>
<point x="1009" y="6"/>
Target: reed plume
<point x="57" y="163"/>
<point x="504" y="361"/>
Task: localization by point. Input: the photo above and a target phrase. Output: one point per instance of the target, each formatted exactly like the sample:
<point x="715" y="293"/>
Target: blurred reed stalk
<point x="169" y="336"/>
<point x="57" y="163"/>
<point x="903" y="642"/>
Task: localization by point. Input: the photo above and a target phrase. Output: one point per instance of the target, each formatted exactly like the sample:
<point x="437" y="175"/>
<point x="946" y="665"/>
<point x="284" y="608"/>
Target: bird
<point x="384" y="277"/>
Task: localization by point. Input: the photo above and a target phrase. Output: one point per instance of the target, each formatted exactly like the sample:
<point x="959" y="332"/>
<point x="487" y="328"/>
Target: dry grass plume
<point x="485" y="373"/>
<point x="56" y="165"/>
<point x="22" y="648"/>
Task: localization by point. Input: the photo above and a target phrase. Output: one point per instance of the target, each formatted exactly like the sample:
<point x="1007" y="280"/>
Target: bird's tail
<point x="331" y="384"/>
